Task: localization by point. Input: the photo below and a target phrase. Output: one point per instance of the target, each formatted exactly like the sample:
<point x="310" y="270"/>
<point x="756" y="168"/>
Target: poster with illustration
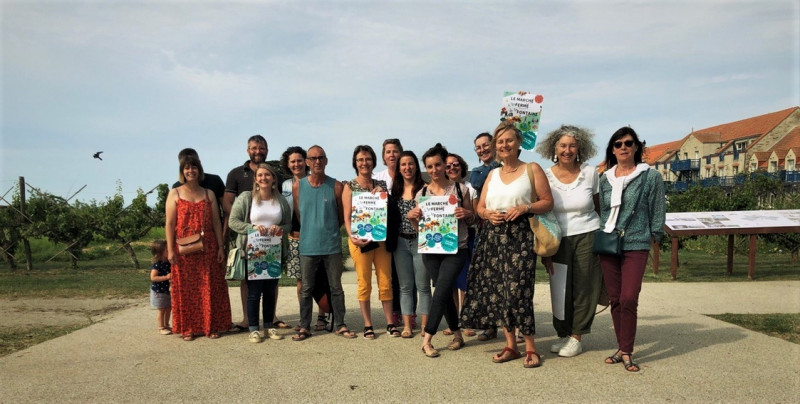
<point x="525" y="110"/>
<point x="368" y="215"/>
<point x="438" y="228"/>
<point x="263" y="256"/>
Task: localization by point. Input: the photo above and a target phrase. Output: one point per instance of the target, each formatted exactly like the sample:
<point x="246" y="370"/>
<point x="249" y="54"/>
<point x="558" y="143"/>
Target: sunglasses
<point x="627" y="143"/>
<point x="453" y="165"/>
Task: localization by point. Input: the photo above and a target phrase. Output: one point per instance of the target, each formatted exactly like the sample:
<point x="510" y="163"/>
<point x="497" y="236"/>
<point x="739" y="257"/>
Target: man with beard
<point x="240" y="179"/>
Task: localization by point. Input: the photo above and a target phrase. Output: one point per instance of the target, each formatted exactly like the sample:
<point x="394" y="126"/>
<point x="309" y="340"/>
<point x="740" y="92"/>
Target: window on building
<point x="789" y="164"/>
<point x="773" y="166"/>
<point x="735" y="170"/>
<point x="741" y="146"/>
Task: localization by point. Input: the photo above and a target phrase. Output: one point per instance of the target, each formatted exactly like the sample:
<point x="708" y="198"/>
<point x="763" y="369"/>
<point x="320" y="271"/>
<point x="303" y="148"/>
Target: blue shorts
<point x="160" y="300"/>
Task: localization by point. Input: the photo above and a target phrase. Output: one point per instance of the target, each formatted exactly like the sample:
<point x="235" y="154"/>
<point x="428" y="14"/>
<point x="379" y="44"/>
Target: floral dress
<point x="200" y="303"/>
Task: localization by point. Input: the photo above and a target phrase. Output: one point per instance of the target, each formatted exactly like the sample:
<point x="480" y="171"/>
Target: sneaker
<point x="555" y="348"/>
<point x="255" y="336"/>
<point x="571" y="348"/>
<point x="273" y="334"/>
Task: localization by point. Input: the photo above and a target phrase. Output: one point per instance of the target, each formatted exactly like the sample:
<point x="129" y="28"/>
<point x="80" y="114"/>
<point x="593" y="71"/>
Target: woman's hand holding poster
<point x="263" y="256"/>
<point x="438" y="227"/>
<point x="368" y="216"/>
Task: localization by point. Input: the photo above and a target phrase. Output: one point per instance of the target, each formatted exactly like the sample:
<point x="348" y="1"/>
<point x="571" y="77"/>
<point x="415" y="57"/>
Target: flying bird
<point x="97" y="155"/>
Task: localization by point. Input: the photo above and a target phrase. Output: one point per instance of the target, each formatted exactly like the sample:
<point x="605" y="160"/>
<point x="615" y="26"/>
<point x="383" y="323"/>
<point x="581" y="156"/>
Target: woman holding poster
<point x="575" y="186"/>
<point x="364" y="203"/>
<point x="501" y="279"/>
<point x="265" y="212"/>
<point x="443" y="212"/>
<point x="411" y="272"/>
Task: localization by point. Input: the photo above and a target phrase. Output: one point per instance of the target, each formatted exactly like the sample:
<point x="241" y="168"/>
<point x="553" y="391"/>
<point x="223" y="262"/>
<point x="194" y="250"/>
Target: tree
<point x="54" y="218"/>
<point x="9" y="232"/>
<point x="114" y="221"/>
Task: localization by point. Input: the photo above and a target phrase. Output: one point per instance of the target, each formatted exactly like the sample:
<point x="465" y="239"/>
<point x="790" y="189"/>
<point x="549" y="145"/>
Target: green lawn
<point x="782" y="325"/>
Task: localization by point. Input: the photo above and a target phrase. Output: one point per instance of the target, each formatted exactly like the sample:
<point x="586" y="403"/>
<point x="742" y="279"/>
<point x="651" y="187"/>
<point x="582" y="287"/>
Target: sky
<point x="142" y="80"/>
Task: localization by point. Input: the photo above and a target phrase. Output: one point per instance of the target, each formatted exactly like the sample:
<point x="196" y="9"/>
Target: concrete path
<point x="685" y="357"/>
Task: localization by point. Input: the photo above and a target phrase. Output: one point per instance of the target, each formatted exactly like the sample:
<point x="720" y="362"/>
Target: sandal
<point x="487" y="334"/>
<point x="322" y="323"/>
<point x="369" y="333"/>
<point x="188" y="337"/>
<point x="345" y="332"/>
<point x="301" y="335"/>
<point x="528" y="356"/>
<point x="392" y="330"/>
<point x="614" y="359"/>
<point x="629" y="364"/>
<point x="456" y="344"/>
<point x="407" y="333"/>
<point x="165" y="331"/>
<point x="447" y="332"/>
<point x="280" y="324"/>
<point x="236" y="328"/>
<point x="213" y="335"/>
<point x="469" y="332"/>
<point x="502" y="357"/>
<point x="430" y="351"/>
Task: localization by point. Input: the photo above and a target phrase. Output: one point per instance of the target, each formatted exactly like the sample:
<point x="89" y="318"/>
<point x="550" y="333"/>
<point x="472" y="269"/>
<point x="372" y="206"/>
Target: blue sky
<point x="141" y="80"/>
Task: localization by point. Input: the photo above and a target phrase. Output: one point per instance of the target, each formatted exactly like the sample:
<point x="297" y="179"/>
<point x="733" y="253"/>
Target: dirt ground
<point x="60" y="312"/>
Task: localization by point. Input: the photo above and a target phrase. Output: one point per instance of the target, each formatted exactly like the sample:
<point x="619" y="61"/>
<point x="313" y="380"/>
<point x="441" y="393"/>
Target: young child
<point x="159" y="290"/>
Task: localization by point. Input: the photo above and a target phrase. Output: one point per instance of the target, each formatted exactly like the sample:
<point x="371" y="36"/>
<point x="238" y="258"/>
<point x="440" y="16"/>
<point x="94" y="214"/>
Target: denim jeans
<point x="411" y="272"/>
<point x="443" y="270"/>
<point x="309" y="265"/>
<point x="255" y="290"/>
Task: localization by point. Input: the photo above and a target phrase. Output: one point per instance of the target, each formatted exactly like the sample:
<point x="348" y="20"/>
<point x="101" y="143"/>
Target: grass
<point x="782" y="325"/>
<point x="13" y="339"/>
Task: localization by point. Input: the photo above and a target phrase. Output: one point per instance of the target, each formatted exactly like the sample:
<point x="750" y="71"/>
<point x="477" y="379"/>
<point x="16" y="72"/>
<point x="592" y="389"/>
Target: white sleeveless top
<point x="501" y="196"/>
<point x="266" y="213"/>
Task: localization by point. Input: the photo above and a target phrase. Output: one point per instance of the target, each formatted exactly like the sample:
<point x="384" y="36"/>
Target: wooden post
<point x="26" y="245"/>
<point x="730" y="254"/>
<point x="674" y="265"/>
<point x="751" y="257"/>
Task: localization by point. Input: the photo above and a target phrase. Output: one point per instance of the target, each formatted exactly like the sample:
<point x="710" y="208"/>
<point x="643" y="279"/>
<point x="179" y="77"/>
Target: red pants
<point x="623" y="278"/>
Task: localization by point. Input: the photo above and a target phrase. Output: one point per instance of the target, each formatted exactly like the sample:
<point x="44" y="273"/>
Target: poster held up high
<point x="525" y="110"/>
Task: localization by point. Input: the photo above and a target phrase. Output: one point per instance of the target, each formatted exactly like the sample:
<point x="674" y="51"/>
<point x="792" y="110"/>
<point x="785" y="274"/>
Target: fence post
<point x="25" y="243"/>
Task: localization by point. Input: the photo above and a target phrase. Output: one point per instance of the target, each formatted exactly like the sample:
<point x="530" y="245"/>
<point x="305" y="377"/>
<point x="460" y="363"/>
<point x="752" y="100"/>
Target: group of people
<point x="486" y="285"/>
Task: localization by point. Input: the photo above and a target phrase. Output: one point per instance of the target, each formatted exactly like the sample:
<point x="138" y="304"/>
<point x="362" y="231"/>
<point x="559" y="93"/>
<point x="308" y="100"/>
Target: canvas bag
<point x="546" y="231"/>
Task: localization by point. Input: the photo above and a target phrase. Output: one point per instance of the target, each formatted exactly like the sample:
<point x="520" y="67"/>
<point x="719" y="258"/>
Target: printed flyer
<point x="438" y="228"/>
<point x="525" y="110"/>
<point x="263" y="256"/>
<point x="368" y="216"/>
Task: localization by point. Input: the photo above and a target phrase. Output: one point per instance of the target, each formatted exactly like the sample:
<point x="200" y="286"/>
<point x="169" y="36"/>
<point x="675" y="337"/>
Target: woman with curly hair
<point x="575" y="186"/>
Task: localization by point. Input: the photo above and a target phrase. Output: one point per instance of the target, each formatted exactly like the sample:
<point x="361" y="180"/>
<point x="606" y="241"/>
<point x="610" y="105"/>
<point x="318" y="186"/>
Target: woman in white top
<point x="500" y="280"/>
<point x="267" y="211"/>
<point x="576" y="187"/>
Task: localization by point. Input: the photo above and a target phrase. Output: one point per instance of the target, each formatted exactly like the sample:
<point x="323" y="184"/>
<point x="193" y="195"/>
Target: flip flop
<point x="502" y="358"/>
<point x="281" y="324"/>
<point x="346" y="333"/>
<point x="236" y="328"/>
<point x="528" y="356"/>
<point x="301" y="335"/>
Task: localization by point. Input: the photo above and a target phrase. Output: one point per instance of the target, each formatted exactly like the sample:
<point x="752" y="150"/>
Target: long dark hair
<point x="611" y="159"/>
<point x="285" y="159"/>
<point x="398" y="184"/>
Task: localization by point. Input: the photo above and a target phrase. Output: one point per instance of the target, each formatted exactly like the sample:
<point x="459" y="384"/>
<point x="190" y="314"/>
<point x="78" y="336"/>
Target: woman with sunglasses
<point x="633" y="193"/>
<point x="575" y="187"/>
<point x="456" y="169"/>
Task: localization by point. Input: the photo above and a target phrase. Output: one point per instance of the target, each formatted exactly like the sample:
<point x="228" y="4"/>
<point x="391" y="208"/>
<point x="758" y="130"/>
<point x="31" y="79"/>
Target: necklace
<point x="511" y="171"/>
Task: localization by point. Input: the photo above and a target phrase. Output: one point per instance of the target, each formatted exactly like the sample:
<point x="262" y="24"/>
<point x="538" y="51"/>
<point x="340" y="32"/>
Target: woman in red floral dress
<point x="200" y="303"/>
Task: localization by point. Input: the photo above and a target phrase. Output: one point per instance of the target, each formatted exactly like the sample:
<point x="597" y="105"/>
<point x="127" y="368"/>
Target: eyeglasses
<point x="316" y="158"/>
<point x="453" y="165"/>
<point x="483" y="147"/>
<point x="627" y="143"/>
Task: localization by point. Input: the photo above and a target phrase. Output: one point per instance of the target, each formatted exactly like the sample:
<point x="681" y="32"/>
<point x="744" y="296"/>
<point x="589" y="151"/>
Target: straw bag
<point x="546" y="231"/>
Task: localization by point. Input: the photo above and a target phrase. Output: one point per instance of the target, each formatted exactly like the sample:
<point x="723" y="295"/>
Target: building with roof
<point x="768" y="143"/>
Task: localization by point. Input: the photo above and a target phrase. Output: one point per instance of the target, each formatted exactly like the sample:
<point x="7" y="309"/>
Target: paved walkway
<point x="685" y="357"/>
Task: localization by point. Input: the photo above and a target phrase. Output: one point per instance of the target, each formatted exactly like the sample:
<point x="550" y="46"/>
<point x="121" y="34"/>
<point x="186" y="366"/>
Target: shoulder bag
<point x="193" y="243"/>
<point x="236" y="268"/>
<point x="611" y="243"/>
<point x="546" y="231"/>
